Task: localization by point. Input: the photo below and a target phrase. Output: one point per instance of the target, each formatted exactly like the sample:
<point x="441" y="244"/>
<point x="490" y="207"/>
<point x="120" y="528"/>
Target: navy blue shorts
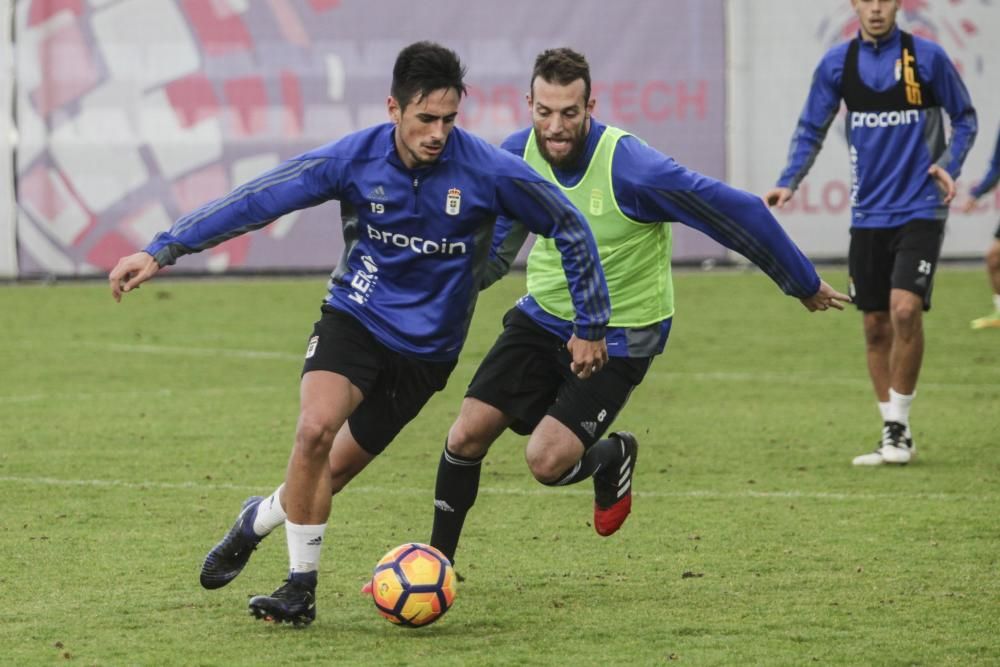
<point x="903" y="257"/>
<point x="526" y="375"/>
<point x="395" y="387"/>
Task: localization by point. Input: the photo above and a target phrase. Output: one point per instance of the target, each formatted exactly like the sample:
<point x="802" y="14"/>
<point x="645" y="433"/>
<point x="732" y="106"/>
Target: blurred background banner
<point x="773" y="49"/>
<point x="8" y="247"/>
<point x="131" y="113"/>
<point x="119" y="116"/>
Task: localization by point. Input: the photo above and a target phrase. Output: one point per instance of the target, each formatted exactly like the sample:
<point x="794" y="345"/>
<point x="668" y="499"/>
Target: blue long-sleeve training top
<point x="416" y="241"/>
<point x="890" y="150"/>
<point x="651" y="187"/>
<point x="992" y="177"/>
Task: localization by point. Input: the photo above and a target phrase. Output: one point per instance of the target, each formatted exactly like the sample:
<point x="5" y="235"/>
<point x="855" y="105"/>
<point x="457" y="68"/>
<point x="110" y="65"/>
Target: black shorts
<point x="903" y="257"/>
<point x="526" y="375"/>
<point x="395" y="386"/>
<point x="996" y="234"/>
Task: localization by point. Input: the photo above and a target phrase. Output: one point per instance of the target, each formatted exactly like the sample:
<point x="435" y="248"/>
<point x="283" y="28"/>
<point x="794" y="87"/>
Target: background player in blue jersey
<point x="895" y="86"/>
<point x="988" y="182"/>
<point x="419" y="199"/>
<point x="629" y="192"/>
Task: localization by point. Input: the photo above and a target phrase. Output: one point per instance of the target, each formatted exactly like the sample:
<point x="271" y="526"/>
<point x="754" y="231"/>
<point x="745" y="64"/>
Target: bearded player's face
<point x="561" y="118"/>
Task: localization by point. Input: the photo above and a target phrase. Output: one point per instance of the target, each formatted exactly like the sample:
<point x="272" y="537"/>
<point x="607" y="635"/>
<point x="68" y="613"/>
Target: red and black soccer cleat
<point x="613" y="488"/>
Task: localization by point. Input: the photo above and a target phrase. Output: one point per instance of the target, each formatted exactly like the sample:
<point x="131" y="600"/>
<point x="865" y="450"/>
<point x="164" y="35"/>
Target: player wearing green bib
<point x="643" y="289"/>
<point x="627" y="191"/>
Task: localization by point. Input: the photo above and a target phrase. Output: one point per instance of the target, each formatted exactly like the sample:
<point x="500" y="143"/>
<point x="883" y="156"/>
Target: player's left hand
<point x="944" y="181"/>
<point x="825" y="298"/>
<point x="589" y="356"/>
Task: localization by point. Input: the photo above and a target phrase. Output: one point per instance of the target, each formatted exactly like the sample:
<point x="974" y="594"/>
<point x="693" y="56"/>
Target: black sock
<point x="600" y="455"/>
<point x="454" y="495"/>
<point x="304" y="579"/>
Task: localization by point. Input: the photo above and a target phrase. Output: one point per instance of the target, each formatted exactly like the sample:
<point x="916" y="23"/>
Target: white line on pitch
<point x="194" y="351"/>
<point x="661" y="370"/>
<point x="756" y="377"/>
<point x="144" y="394"/>
<point x="428" y="492"/>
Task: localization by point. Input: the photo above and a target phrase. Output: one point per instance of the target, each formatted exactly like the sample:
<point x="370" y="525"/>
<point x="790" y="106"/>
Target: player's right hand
<point x="776" y="197"/>
<point x="589" y="356"/>
<point x="130" y="272"/>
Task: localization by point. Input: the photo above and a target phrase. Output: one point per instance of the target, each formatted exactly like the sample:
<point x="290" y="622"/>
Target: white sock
<point x="304" y="546"/>
<point x="270" y="514"/>
<point x="883" y="409"/>
<point x="899" y="407"/>
<point x="996" y="302"/>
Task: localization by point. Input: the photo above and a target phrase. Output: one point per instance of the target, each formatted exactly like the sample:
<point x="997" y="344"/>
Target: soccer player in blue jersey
<point x="419" y="198"/>
<point x="895" y="86"/>
<point x="988" y="182"/>
<point x="629" y="193"/>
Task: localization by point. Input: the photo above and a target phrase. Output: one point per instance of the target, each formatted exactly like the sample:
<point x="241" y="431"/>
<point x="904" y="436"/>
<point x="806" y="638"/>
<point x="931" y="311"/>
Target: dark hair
<point x="562" y="66"/>
<point x="423" y="67"/>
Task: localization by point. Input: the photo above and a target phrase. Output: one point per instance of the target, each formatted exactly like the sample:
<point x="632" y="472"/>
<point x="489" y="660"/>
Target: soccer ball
<point x="413" y="585"/>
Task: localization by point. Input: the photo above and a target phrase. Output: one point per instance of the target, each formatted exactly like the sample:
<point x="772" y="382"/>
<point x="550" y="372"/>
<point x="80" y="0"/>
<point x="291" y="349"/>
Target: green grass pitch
<point x="130" y="434"/>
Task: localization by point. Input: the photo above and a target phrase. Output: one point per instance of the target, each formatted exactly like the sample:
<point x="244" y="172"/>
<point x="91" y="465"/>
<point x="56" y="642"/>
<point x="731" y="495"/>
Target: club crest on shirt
<point x="453" y="204"/>
<point x="596" y="202"/>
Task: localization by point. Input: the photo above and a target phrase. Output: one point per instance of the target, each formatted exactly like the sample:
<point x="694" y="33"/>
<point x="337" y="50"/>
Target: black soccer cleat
<point x="613" y="488"/>
<point x="228" y="557"/>
<point x="294" y="602"/>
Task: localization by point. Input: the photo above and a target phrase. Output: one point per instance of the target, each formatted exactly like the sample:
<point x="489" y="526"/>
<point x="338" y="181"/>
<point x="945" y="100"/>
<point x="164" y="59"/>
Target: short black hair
<point x="423" y="67"/>
<point x="562" y="66"/>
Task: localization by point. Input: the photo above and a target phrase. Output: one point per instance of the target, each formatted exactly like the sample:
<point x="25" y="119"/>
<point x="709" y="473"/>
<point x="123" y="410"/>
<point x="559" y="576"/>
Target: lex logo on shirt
<point x="364" y="281"/>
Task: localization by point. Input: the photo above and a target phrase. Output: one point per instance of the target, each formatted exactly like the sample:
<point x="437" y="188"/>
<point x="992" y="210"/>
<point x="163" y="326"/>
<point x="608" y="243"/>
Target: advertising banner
<point x="134" y="113"/>
<point x="8" y="248"/>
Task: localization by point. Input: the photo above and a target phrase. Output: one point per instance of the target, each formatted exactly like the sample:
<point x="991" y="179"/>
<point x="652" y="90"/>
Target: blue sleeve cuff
<point x="165" y="249"/>
<point x="590" y="331"/>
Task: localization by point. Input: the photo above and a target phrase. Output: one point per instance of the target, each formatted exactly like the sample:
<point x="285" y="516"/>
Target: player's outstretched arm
<point x="130" y="272"/>
<point x="589" y="356"/>
<point x="825" y="298"/>
<point x="777" y="197"/>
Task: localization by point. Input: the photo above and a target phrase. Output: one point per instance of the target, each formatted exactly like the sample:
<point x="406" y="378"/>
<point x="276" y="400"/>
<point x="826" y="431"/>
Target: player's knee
<point x="878" y="330"/>
<point x="466" y="441"/>
<point x="545" y="464"/>
<point x="314" y="435"/>
<point x="547" y="475"/>
<point x="906" y="316"/>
